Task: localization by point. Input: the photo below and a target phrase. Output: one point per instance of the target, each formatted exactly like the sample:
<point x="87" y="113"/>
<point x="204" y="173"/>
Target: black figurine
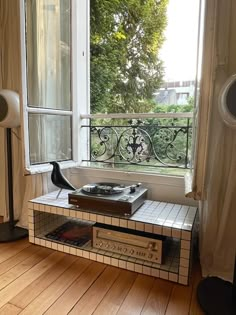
<point x="59" y="179"/>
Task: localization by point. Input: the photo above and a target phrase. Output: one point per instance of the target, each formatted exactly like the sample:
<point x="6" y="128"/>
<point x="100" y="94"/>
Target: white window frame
<point x="79" y="89"/>
<point x="81" y="113"/>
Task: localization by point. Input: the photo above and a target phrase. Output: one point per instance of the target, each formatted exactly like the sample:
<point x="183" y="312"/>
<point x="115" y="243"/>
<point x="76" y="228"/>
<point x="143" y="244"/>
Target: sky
<point x="179" y="51"/>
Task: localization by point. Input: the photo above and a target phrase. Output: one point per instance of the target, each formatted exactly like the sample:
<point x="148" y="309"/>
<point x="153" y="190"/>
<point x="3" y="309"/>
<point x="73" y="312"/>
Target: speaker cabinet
<point x="227" y="102"/>
<point x="9" y="109"/>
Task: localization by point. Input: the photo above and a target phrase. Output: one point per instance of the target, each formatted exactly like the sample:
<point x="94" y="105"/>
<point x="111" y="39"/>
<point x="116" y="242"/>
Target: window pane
<point x="125" y="38"/>
<point x="48" y="53"/>
<point x="49" y="138"/>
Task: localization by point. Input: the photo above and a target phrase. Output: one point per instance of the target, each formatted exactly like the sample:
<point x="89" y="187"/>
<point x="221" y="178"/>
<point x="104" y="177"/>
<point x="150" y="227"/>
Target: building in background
<point x="175" y="93"/>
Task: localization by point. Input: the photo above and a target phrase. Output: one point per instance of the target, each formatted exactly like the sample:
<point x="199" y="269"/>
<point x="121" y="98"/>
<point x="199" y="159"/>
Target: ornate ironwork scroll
<point x="149" y="143"/>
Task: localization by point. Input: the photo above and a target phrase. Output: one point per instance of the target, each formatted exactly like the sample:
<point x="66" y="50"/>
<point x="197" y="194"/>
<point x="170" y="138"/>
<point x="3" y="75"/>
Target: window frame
<point x="81" y="97"/>
<point x="79" y="86"/>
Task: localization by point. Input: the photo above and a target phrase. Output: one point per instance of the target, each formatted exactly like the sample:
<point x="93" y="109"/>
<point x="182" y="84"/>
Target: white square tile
<point x="114" y="262"/>
<point x="166" y="231"/>
<point x="185" y="244"/>
<point x="130" y="265"/>
<point x="176" y="233"/>
<point x="30" y="205"/>
<point x="79" y="214"/>
<point x="131" y="224"/>
<point x="148" y="228"/>
<point x="37" y="241"/>
<point x="184" y="253"/>
<point x="107" y="260"/>
<point x="41" y="207"/>
<point x="122" y="264"/>
<point x="42" y="242"/>
<point x="147" y="270"/>
<point x="48" y="244"/>
<point x="100" y="218"/>
<point x="30" y="219"/>
<point x="139" y="226"/>
<point x="123" y="223"/>
<point x="186" y="235"/>
<point x="183" y="271"/>
<point x="115" y="221"/>
<point x="31" y="239"/>
<point x="52" y="210"/>
<point x="36" y="206"/>
<point x="184" y="262"/>
<point x="31" y="232"/>
<point x="85" y="216"/>
<point x="138" y="268"/>
<point x="67" y="212"/>
<point x="93" y="217"/>
<point x="173" y="277"/>
<point x="60" y="211"/>
<point x="79" y="252"/>
<point x="157" y="229"/>
<point x="107" y="220"/>
<point x="163" y="274"/>
<point x="93" y="256"/>
<point x="31" y="226"/>
<point x="60" y="247"/>
<point x="183" y="280"/>
<point x="73" y="251"/>
<point x="85" y="254"/>
<point x="155" y="272"/>
<point x="72" y="213"/>
<point x="66" y="249"/>
<point x="54" y="246"/>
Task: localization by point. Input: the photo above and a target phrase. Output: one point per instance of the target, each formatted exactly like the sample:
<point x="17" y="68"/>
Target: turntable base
<point x="109" y="198"/>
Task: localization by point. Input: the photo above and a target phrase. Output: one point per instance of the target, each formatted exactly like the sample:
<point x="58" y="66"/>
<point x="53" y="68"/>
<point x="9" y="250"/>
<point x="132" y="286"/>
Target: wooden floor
<point x="35" y="280"/>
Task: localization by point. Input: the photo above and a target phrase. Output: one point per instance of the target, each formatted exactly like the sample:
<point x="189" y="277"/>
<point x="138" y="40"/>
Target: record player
<point x="110" y="198"/>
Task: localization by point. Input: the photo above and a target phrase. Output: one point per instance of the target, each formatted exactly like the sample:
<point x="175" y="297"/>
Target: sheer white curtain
<point x="214" y="180"/>
<point x="48" y="77"/>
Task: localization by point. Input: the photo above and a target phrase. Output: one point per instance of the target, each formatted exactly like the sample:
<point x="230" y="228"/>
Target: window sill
<point x="44" y="168"/>
<point x="116" y="175"/>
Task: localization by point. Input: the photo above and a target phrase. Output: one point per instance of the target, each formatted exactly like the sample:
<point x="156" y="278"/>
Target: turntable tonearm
<point x="109" y="198"/>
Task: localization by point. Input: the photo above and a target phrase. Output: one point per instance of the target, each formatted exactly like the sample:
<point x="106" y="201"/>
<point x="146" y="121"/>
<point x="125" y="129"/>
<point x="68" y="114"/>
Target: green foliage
<point x="125" y="38"/>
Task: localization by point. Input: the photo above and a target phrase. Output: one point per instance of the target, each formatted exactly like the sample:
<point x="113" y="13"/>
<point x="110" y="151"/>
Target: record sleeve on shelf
<point x="72" y="232"/>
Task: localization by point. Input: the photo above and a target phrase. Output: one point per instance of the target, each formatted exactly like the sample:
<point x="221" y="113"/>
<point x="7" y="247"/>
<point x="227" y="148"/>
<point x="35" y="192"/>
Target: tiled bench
<point x="176" y="222"/>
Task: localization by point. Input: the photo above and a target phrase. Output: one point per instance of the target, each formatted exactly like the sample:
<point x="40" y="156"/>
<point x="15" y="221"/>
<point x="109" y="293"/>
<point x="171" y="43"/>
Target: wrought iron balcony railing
<point x="157" y="140"/>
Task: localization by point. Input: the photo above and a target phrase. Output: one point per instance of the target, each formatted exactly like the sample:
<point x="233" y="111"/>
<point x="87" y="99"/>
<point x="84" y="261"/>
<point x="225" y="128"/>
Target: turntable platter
<point x="102" y="189"/>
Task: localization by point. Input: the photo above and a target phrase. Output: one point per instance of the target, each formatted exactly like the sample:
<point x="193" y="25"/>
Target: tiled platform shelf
<point x="176" y="222"/>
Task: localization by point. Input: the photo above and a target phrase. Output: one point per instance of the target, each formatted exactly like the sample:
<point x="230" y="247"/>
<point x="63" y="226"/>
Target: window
<point x="124" y="112"/>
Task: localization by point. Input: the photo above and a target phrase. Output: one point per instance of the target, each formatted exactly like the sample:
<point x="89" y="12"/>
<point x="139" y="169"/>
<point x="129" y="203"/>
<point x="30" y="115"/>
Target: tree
<point x="125" y="69"/>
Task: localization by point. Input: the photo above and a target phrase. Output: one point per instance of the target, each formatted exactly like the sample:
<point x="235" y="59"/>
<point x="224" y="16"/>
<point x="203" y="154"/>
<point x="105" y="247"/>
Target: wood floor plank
<point x="55" y="290"/>
<point x="137" y="296"/>
<point x="15" y="272"/>
<point x="179" y="302"/>
<point x="11" y="249"/>
<point x="28" y="277"/>
<point x="26" y="296"/>
<point x="60" y="283"/>
<point x="195" y="308"/>
<point x="88" y="303"/>
<point x="71" y="296"/>
<point x="117" y="293"/>
<point x="9" y="309"/>
<point x="18" y="258"/>
<point x="158" y="298"/>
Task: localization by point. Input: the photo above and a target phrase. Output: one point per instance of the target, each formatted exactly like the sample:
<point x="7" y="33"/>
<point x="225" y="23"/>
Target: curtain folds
<point x="213" y="180"/>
